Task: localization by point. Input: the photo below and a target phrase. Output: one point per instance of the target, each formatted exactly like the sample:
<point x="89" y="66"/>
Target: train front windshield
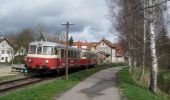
<point x="32" y="49"/>
<point x="45" y="50"/>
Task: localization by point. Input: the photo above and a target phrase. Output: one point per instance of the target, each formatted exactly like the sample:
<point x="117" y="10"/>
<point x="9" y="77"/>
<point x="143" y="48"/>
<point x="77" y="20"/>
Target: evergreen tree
<point x="41" y="37"/>
<point x="71" y="41"/>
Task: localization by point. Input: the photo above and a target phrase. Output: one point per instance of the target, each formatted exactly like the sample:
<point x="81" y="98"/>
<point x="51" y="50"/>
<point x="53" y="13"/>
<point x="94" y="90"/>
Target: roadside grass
<point x="133" y="90"/>
<point x="7" y="77"/>
<point x="49" y="90"/>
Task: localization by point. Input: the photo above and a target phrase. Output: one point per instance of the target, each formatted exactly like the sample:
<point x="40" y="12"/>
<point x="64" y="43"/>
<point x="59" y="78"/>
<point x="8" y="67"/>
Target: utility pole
<point x="67" y="24"/>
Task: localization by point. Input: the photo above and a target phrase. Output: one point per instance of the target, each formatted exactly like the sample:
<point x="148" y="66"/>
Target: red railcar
<point x="88" y="58"/>
<point x="44" y="55"/>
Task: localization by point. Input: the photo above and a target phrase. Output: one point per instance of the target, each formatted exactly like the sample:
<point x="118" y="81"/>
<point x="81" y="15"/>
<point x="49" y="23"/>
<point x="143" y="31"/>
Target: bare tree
<point x="139" y="22"/>
<point x="58" y="37"/>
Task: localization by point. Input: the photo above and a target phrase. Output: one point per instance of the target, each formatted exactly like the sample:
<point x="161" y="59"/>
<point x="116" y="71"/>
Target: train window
<point x="62" y="53"/>
<point x="32" y="49"/>
<point x="65" y="53"/>
<point x="85" y="54"/>
<point x="79" y="54"/>
<point x="55" y="51"/>
<point x="39" y="50"/>
<point x="47" y="50"/>
<point x="75" y="54"/>
<point x="69" y="54"/>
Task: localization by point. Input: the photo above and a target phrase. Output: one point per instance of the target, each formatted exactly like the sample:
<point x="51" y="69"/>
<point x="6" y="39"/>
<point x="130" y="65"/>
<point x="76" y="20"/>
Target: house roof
<point x="107" y="42"/>
<point x="89" y="45"/>
<point x="5" y="39"/>
<point x="120" y="50"/>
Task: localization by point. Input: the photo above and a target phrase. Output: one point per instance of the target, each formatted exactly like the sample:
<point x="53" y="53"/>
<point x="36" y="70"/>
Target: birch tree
<point x="138" y="23"/>
<point x="154" y="68"/>
<point x="144" y="39"/>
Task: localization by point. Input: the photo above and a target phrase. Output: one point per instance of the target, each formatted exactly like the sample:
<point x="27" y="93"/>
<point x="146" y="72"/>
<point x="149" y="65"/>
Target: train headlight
<point x="29" y="60"/>
<point x="46" y="61"/>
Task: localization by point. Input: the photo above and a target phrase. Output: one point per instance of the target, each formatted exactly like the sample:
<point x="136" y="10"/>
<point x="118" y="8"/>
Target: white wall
<point x="7" y="49"/>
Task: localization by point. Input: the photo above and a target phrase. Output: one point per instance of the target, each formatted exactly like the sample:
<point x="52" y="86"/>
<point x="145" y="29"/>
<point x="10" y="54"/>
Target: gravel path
<point x="6" y="71"/>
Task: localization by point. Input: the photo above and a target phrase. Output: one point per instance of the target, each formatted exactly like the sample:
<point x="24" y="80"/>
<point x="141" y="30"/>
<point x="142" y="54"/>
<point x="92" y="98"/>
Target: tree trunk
<point x="144" y="42"/>
<point x="130" y="63"/>
<point x="154" y="69"/>
<point x="144" y="53"/>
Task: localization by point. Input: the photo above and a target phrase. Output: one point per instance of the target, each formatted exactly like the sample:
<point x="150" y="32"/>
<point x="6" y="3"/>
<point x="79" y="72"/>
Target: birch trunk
<point x="154" y="69"/>
<point x="144" y="42"/>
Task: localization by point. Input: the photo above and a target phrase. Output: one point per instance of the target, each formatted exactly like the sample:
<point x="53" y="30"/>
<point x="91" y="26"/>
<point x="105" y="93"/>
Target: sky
<point x="89" y="16"/>
<point x="167" y="18"/>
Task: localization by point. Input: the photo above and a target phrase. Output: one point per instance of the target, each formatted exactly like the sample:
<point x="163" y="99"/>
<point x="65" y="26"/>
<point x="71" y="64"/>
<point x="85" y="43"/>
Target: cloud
<point x="89" y="16"/>
<point x="88" y="34"/>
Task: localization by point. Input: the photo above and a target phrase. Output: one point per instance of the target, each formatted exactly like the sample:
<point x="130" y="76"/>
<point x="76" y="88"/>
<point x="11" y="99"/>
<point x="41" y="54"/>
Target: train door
<point x="62" y="57"/>
<point x="56" y="53"/>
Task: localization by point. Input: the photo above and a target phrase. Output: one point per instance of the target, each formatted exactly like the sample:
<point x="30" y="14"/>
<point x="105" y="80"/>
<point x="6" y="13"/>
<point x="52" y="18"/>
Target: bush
<point x="19" y="59"/>
<point x="164" y="81"/>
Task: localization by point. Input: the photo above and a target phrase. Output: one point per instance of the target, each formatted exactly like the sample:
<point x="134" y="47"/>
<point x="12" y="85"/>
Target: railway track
<point x="14" y="84"/>
<point x="7" y="86"/>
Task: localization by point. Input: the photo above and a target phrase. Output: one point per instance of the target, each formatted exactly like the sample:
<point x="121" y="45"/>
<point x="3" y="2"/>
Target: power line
<point x="67" y="24"/>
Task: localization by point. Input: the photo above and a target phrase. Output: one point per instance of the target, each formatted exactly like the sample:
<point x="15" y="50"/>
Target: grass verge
<point x="49" y="90"/>
<point x="133" y="91"/>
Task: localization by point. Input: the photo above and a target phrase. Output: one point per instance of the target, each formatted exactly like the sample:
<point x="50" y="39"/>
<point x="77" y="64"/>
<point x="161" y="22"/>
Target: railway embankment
<point x="135" y="90"/>
<point x="51" y="89"/>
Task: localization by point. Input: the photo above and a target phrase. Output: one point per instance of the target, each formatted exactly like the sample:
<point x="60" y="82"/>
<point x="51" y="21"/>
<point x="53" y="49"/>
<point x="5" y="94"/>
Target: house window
<point x="3" y="51"/>
<point x="8" y="52"/>
<point x="2" y="58"/>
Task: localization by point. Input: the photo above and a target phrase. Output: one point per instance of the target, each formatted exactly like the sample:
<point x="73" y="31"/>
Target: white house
<point x="112" y="52"/>
<point x="6" y="50"/>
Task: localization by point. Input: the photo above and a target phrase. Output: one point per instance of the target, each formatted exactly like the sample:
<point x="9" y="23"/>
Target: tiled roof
<point x="107" y="42"/>
<point x="120" y="50"/>
<point x="89" y="45"/>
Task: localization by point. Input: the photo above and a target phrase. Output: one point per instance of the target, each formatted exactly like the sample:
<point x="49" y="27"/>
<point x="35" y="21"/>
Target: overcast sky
<point x="89" y="17"/>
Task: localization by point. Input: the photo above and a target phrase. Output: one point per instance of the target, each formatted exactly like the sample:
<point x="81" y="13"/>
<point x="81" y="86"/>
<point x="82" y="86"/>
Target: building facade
<point x="6" y="50"/>
<point x="107" y="51"/>
<point x="105" y="47"/>
<point x="112" y="52"/>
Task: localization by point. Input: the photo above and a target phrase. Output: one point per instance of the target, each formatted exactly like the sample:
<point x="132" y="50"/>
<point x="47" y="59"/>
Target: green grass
<point x="133" y="91"/>
<point x="3" y="78"/>
<point x="49" y="90"/>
